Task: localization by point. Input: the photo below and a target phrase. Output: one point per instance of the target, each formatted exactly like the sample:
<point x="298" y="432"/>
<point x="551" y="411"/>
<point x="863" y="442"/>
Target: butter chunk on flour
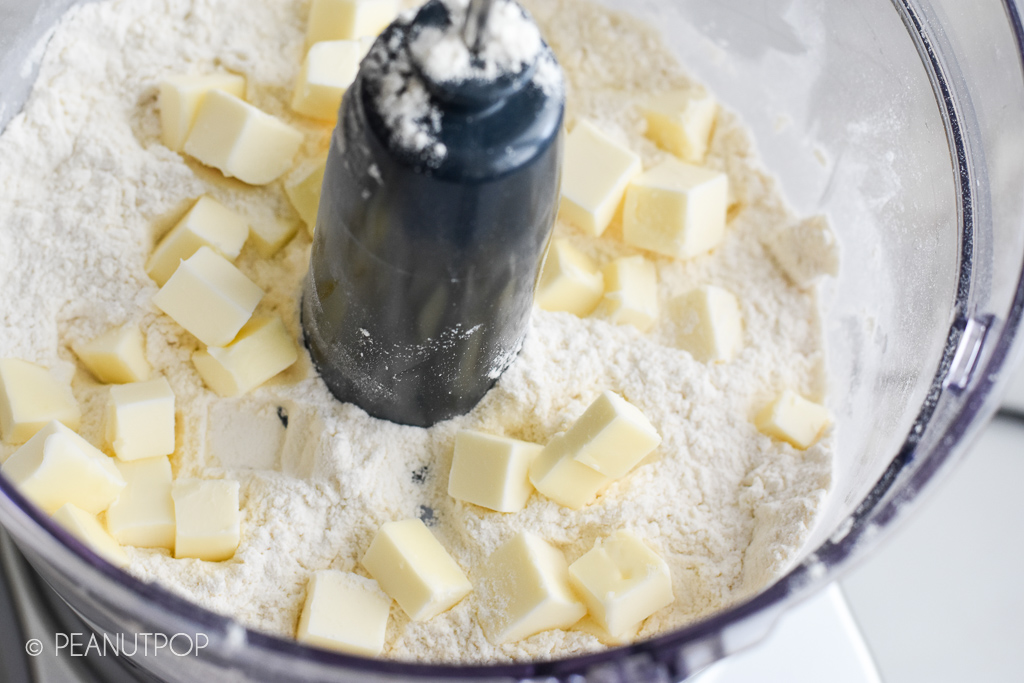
<point x="30" y="397"/>
<point x="241" y="141"/>
<point x="413" y="567"/>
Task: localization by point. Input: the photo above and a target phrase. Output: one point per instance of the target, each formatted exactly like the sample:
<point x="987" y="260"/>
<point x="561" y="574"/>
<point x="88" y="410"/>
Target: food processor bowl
<point x="903" y="121"/>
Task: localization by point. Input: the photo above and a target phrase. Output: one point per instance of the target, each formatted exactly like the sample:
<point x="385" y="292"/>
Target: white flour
<point x="87" y="187"/>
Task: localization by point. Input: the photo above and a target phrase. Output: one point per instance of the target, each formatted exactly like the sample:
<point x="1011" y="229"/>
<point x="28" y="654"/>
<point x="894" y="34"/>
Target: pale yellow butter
<point x="570" y="281"/>
<point x="303" y="190"/>
<point x="241" y="141"/>
<point x="207" y="224"/>
<point x="207" y="523"/>
<point x="556" y="474"/>
<point x="524" y="589"/>
<point x="180" y="97"/>
<point x="348" y="19"/>
<point x="682" y="122"/>
<point x="676" y="209"/>
<point x="344" y="612"/>
<point x="209" y="297"/>
<point x="622" y="582"/>
<point x="57" y="466"/>
<point x="595" y="174"/>
<point x="328" y="70"/>
<point x="631" y="292"/>
<point x="270" y="235"/>
<point x="709" y="324"/>
<point x="492" y="471"/>
<point x="117" y="356"/>
<point x="140" y="419"/>
<point x="143" y="515"/>
<point x="30" y="397"/>
<point x="412" y="566"/>
<point x="611" y="436"/>
<point x="794" y="419"/>
<point x="262" y="349"/>
<point x="85" y="527"/>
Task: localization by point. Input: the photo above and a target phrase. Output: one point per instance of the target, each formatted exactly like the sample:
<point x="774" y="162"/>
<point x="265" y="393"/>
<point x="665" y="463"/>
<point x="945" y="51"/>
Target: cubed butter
<point x="180" y="97"/>
<point x="262" y="349"/>
<point x="348" y="19"/>
<point x="303" y="190"/>
<point x="209" y="297"/>
<point x="631" y="292"/>
<point x="241" y="141"/>
<point x="570" y="281"/>
<point x="805" y="250"/>
<point x="117" y="356"/>
<point x="556" y="474"/>
<point x="344" y="612"/>
<point x="30" y="397"/>
<point x="412" y="566"/>
<point x="492" y="471"/>
<point x="793" y="419"/>
<point x="611" y="436"/>
<point x="140" y="419"/>
<point x="681" y="123"/>
<point x="207" y="224"/>
<point x="709" y="324"/>
<point x="524" y="589"/>
<point x="85" y="527"/>
<point x="622" y="582"/>
<point x="57" y="466"/>
<point x="143" y="515"/>
<point x="270" y="235"/>
<point x="327" y="72"/>
<point x="595" y="174"/>
<point x="676" y="209"/>
<point x="207" y="523"/>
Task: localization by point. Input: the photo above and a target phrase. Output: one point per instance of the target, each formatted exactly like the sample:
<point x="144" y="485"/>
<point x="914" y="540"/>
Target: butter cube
<point x="681" y="122"/>
<point x="570" y="281"/>
<point x="555" y="473"/>
<point x="794" y="419"/>
<point x="262" y="349"/>
<point x="676" y="209"/>
<point x="709" y="324"/>
<point x="348" y="19"/>
<point x="209" y="297"/>
<point x="329" y="69"/>
<point x="805" y="250"/>
<point x="207" y="523"/>
<point x="622" y="582"/>
<point x="85" y="527"/>
<point x="414" y="568"/>
<point x="270" y="236"/>
<point x="140" y="419"/>
<point x="241" y="141"/>
<point x="117" y="356"/>
<point x="611" y="436"/>
<point x="595" y="174"/>
<point x="303" y="190"/>
<point x="492" y="471"/>
<point x="143" y="515"/>
<point x="57" y="466"/>
<point x="344" y="612"/>
<point x="180" y="97"/>
<point x="30" y="397"/>
<point x="524" y="589"/>
<point x="207" y="224"/>
<point x="631" y="292"/>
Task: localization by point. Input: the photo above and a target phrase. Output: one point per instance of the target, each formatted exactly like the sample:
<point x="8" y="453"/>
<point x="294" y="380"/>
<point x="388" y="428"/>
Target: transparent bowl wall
<point x="903" y="120"/>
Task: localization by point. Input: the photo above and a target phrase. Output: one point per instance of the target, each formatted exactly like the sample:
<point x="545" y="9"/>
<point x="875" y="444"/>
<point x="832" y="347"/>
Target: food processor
<point x="903" y="121"/>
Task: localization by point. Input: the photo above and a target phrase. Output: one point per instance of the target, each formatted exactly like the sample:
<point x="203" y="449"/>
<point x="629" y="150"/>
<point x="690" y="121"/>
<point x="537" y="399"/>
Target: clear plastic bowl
<point x="903" y="120"/>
